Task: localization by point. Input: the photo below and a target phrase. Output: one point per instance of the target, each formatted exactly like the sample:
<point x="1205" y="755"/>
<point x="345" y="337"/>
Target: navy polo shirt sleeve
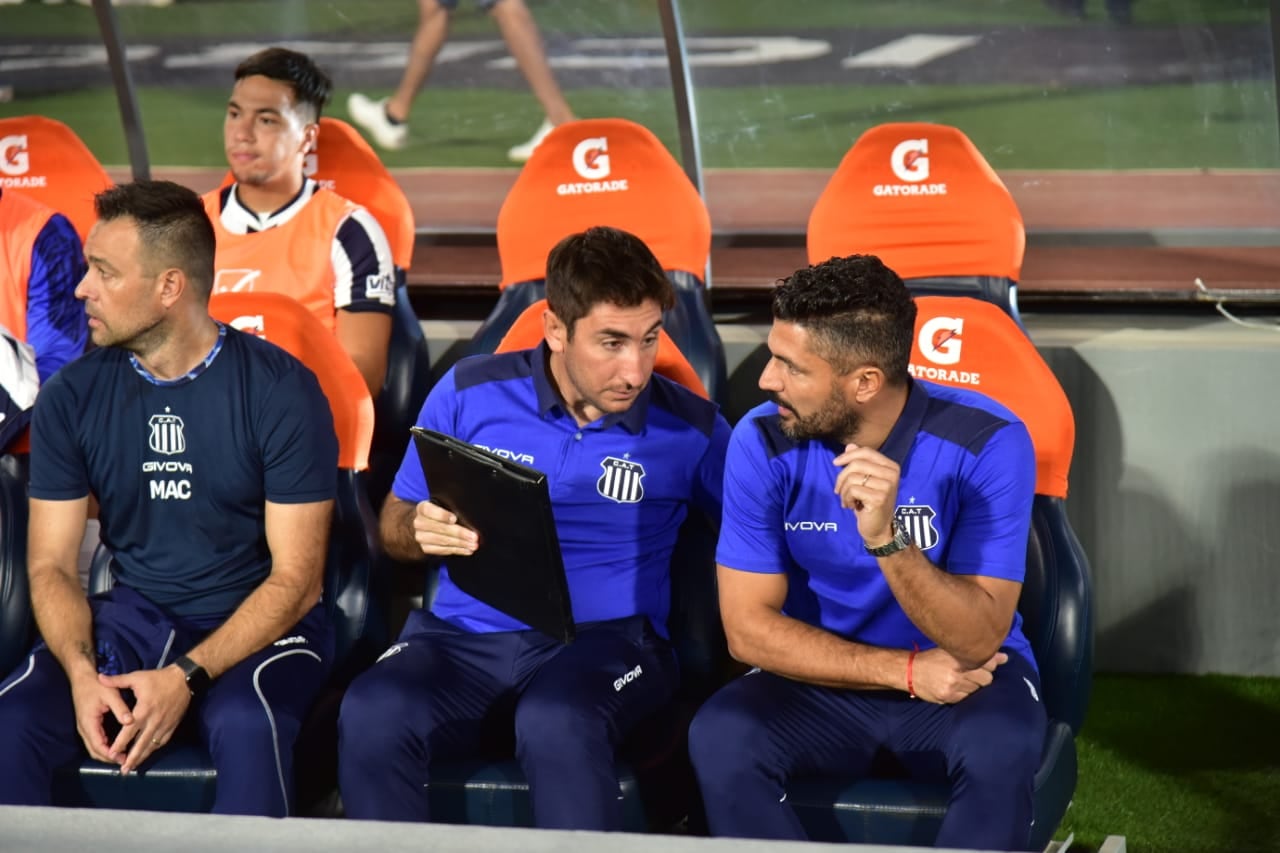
<point x="708" y="484"/>
<point x="58" y="470"/>
<point x="299" y="446"/>
<point x="990" y="533"/>
<point x="751" y="533"/>
<point x="439" y="413"/>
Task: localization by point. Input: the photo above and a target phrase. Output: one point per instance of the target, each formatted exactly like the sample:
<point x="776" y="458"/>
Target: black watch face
<point x="197" y="680"/>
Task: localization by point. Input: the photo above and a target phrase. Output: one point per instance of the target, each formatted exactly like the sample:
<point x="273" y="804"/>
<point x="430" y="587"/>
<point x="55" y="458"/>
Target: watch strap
<point x="900" y="542"/>
<point x="197" y="677"/>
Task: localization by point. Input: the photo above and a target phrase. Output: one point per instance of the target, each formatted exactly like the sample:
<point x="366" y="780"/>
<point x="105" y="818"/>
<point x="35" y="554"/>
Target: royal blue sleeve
<point x="58" y="468"/>
<point x="439" y="412"/>
<point x="708" y="488"/>
<point x="57" y="327"/>
<point x="751" y="532"/>
<point x="990" y="533"/>
<point x="300" y="447"/>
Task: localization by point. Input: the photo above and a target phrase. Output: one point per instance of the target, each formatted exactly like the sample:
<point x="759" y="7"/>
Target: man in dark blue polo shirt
<point x="870" y="562"/>
<point x="626" y="454"/>
<point x="213" y="457"/>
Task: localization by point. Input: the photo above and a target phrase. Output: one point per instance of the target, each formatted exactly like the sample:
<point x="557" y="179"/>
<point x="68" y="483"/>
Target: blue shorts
<point x="445" y="694"/>
<point x="248" y="720"/>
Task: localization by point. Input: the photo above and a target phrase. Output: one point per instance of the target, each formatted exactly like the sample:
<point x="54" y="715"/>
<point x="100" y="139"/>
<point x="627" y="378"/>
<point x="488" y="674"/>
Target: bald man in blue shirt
<point x="627" y="454"/>
<point x="870" y="559"/>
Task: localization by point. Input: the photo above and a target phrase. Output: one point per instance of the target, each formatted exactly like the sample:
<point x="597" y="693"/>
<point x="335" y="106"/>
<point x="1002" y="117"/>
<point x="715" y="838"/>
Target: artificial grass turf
<point x="1180" y="764"/>
<point x="1218" y="125"/>
<point x="264" y="18"/>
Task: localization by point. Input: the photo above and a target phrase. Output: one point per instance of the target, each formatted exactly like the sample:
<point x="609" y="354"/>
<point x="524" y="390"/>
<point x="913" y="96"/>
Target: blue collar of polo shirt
<point x="633" y="419"/>
<point x="903" y="435"/>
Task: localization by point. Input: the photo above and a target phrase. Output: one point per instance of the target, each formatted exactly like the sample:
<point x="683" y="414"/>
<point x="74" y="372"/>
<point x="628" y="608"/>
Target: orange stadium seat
<point x="526" y="333"/>
<point x="43" y="158"/>
<point x="181" y="777"/>
<point x="345" y="163"/>
<point x="287" y="324"/>
<point x="609" y="171"/>
<point x="603" y="171"/>
<point x="922" y="198"/>
<point x="970" y="343"/>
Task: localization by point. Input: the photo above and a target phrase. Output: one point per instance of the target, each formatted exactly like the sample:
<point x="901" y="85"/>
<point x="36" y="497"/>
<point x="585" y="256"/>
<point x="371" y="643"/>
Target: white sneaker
<point x="522" y="153"/>
<point x="372" y="116"/>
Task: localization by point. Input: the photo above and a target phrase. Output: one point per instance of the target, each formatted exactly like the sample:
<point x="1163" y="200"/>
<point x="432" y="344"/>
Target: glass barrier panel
<point x="53" y="63"/>
<point x="1087" y="109"/>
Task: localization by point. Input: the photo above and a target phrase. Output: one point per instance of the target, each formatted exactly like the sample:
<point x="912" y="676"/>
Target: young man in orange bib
<point x="280" y="231"/>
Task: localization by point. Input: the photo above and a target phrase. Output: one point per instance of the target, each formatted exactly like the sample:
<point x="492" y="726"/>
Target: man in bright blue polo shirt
<point x="581" y="407"/>
<point x="870" y="562"/>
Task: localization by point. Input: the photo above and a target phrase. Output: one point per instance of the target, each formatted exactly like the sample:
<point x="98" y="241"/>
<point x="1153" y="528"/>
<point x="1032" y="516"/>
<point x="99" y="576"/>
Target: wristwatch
<point x="900" y="542"/>
<point x="198" y="679"/>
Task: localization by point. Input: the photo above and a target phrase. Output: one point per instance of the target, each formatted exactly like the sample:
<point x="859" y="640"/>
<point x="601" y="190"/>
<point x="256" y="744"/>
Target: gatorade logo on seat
<point x="251" y="324"/>
<point x="311" y="165"/>
<point x="591" y="161"/>
<point x="940" y="339"/>
<point x="939" y="342"/>
<point x="15" y="162"/>
<point x="909" y="161"/>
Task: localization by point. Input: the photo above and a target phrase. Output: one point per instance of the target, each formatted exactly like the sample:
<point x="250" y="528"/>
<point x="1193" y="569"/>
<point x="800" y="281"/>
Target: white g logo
<point x="14" y="159"/>
<point x="590" y="160"/>
<point x="910" y="160"/>
<point x="940" y="339"/>
<point x="250" y="324"/>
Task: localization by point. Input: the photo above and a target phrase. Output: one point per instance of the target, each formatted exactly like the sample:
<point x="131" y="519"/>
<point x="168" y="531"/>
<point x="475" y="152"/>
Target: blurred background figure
<point x="386" y="120"/>
<point x="1118" y="11"/>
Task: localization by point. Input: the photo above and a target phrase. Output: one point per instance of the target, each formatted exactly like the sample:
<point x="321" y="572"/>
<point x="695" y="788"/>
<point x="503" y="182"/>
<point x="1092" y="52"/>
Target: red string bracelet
<point x="911" y="659"/>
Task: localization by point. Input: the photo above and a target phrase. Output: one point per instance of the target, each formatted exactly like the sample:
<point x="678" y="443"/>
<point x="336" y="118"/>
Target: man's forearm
<point x="261" y="619"/>
<point x="788" y="647"/>
<point x="64" y="618"/>
<point x="958" y="615"/>
<point x="396" y="529"/>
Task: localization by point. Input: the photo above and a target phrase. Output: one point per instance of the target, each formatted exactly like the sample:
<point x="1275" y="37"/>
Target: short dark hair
<point x="855" y="309"/>
<point x="311" y="86"/>
<point x="603" y="265"/>
<point x="173" y="228"/>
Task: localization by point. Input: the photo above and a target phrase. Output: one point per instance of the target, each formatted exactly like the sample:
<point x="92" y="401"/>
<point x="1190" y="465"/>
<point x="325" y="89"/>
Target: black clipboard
<point x="518" y="568"/>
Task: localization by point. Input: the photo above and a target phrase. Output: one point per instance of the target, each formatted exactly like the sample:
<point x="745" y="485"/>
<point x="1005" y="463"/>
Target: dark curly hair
<point x="856" y="310"/>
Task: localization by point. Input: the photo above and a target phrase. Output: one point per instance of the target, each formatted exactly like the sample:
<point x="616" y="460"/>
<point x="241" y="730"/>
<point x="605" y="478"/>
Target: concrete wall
<point x="1175" y="485"/>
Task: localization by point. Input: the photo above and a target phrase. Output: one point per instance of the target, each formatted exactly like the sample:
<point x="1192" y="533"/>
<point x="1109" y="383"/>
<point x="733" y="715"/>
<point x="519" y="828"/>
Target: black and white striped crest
<point x="621" y="480"/>
<point x="166" y="435"/>
<point x="919" y="523"/>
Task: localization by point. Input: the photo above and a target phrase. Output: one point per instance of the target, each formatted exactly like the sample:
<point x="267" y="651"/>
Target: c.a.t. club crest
<point x="621" y="480"/>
